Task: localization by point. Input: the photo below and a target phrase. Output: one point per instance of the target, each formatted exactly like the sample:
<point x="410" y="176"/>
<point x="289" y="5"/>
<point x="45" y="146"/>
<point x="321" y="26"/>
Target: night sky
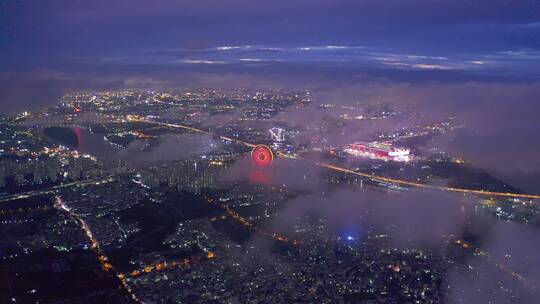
<point x="491" y="38"/>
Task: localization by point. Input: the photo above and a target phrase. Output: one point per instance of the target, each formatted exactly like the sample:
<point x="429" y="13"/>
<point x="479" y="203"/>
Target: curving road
<point x="359" y="173"/>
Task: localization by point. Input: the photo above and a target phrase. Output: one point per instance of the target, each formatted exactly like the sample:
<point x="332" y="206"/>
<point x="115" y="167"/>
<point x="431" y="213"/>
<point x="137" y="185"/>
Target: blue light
<point x="350" y="238"/>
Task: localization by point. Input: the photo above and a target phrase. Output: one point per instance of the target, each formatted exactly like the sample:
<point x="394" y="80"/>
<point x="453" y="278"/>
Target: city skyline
<point x="282" y="152"/>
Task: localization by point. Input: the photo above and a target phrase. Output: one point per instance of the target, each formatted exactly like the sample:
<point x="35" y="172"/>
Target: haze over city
<point x="269" y="152"/>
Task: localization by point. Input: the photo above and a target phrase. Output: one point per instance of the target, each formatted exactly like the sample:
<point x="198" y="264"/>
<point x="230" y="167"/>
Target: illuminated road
<point x="420" y="185"/>
<point x="52" y="190"/>
<point x="166" y="265"/>
<point x="501" y="267"/>
<point x="225" y="138"/>
<point x="249" y="225"/>
<point x="103" y="260"/>
<point x="362" y="174"/>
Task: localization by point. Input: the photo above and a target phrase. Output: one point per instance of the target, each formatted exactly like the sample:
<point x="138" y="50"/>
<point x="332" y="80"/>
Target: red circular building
<point x="262" y="156"/>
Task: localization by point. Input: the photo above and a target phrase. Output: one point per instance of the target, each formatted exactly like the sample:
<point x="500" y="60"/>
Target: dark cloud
<point x="168" y="148"/>
<point x="38" y="88"/>
<point x="59" y="31"/>
<point x="410" y="219"/>
<point x="506" y="273"/>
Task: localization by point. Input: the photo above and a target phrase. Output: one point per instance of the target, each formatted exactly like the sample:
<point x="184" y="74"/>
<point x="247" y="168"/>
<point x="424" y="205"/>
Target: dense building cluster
<point x="98" y="200"/>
